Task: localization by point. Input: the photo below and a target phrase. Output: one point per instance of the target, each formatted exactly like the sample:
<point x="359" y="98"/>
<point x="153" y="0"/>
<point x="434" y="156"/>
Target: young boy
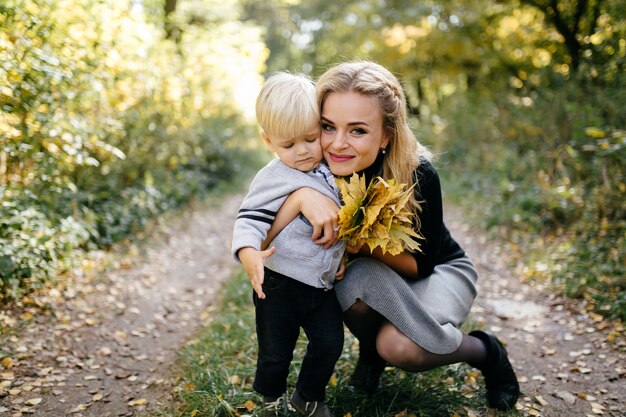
<point x="293" y="280"/>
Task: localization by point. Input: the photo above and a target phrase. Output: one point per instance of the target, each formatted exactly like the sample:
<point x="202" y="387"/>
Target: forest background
<point x="113" y="111"/>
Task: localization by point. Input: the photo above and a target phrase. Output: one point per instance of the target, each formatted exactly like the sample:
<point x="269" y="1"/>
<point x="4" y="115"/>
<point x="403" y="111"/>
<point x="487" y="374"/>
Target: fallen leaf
<point x="78" y="408"/>
<point x="97" y="397"/>
<point x="471" y="413"/>
<point x="234" y="380"/>
<point x="33" y="401"/>
<point x="566" y="396"/>
<point x="597" y="405"/>
<point x="250" y="405"/>
<point x="140" y="401"/>
<point x="104" y="351"/>
<point x="541" y="401"/>
<point x="121" y="374"/>
<point x="7" y="363"/>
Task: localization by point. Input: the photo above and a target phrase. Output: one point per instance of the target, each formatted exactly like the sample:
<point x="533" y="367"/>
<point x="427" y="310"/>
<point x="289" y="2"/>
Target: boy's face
<point x="302" y="152"/>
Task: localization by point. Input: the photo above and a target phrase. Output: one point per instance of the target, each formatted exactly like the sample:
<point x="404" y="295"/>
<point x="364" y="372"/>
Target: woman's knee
<point x="400" y="351"/>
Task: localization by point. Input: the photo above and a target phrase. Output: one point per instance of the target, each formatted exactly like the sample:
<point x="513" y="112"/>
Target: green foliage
<point x="547" y="169"/>
<point x="104" y="123"/>
<point x="219" y="367"/>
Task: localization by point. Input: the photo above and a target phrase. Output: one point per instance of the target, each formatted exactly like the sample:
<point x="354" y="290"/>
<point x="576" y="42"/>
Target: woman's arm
<point x="403" y="263"/>
<point x="320" y="211"/>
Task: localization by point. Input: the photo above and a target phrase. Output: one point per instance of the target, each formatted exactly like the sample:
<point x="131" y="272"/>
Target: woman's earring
<point x="384" y="151"/>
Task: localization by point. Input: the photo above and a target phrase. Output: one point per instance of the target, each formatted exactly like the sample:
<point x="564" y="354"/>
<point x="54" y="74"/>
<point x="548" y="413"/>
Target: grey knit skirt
<point x="429" y="311"/>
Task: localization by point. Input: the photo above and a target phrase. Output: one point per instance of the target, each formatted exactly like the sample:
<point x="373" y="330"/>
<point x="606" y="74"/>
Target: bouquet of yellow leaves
<point x="376" y="215"/>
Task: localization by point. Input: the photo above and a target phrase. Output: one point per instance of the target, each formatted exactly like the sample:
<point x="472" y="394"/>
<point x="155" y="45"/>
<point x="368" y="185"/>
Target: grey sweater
<point x="296" y="255"/>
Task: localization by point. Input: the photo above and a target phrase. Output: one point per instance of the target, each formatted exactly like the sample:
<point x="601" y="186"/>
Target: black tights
<point x="364" y="322"/>
<point x="380" y="341"/>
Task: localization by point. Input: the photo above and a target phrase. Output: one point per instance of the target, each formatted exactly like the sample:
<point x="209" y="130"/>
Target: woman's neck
<point x="374" y="170"/>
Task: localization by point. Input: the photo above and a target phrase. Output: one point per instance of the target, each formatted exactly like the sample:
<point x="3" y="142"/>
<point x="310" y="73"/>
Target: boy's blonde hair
<point x="286" y="106"/>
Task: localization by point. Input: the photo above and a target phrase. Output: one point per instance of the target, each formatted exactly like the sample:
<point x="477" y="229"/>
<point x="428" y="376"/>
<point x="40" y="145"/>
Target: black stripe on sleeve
<point x="257" y="218"/>
<point x="268" y="212"/>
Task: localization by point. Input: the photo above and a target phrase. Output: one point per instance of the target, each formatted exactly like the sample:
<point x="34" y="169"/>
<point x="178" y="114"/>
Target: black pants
<point x="289" y="305"/>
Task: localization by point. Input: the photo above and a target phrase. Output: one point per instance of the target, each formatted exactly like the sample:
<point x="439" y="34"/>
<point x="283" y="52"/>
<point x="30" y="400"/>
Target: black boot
<point x="500" y="380"/>
<point x="366" y="375"/>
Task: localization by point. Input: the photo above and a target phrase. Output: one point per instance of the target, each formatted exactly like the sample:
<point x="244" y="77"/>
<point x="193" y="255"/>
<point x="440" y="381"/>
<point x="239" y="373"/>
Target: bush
<point x="547" y="169"/>
<point x="104" y="123"/>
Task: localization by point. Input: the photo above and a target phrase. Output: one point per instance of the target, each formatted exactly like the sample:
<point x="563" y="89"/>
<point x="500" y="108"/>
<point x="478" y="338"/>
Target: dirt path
<point x="561" y="354"/>
<point x="108" y="345"/>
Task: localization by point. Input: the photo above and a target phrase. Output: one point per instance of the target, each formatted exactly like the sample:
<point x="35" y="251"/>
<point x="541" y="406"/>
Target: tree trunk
<point x="171" y="30"/>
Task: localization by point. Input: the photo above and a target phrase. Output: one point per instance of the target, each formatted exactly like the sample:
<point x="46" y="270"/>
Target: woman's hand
<point x="361" y="250"/>
<point x="321" y="212"/>
<point x="252" y="261"/>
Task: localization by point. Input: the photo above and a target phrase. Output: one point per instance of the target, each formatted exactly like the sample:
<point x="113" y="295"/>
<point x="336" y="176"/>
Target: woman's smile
<point x="339" y="158"/>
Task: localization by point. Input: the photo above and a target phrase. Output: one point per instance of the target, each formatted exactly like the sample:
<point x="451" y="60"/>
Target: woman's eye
<point x="358" y="131"/>
<point x="327" y="127"/>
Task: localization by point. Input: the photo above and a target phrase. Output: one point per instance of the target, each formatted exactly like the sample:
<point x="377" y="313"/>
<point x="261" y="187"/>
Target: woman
<point x="406" y="309"/>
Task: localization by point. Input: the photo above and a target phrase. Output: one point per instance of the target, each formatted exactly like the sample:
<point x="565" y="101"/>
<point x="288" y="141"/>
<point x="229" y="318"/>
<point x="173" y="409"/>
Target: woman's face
<point x="352" y="132"/>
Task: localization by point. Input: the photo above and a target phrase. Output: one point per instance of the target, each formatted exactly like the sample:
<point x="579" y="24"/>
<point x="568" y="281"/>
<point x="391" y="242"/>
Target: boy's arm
<point x="285" y="215"/>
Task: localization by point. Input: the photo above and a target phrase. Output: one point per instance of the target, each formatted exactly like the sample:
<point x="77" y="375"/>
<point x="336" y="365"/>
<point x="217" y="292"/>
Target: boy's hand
<point x="252" y="261"/>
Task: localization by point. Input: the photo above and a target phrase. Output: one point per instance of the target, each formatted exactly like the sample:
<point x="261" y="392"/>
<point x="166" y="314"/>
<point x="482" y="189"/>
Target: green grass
<point x="218" y="370"/>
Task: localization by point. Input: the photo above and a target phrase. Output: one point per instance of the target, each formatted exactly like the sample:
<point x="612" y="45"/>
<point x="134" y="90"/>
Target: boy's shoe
<point x="500" y="380"/>
<point x="366" y="376"/>
<point x="310" y="408"/>
<point x="274" y="406"/>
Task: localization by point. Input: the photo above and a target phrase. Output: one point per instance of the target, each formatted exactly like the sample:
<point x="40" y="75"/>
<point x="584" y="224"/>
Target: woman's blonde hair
<point x="403" y="152"/>
<point x="286" y="106"/>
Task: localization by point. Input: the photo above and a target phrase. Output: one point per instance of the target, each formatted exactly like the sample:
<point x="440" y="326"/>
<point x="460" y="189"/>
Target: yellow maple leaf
<point x="353" y="193"/>
<point x="376" y="215"/>
<point x="250" y="405"/>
